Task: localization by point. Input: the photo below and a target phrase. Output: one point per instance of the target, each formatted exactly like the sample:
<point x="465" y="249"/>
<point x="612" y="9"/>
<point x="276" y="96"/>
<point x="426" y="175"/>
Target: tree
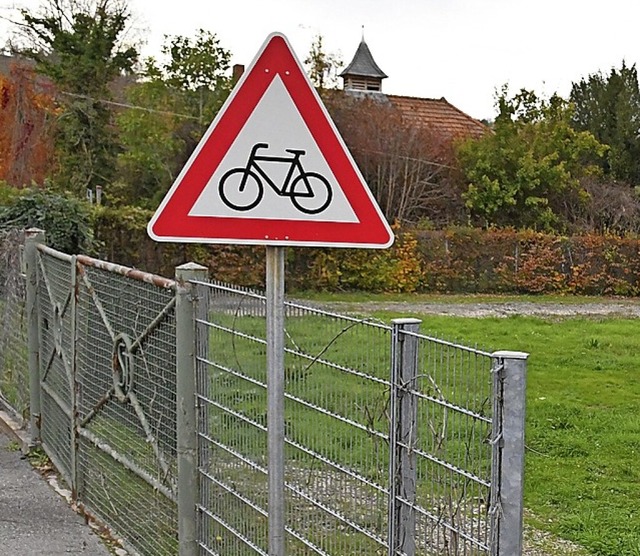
<point x="179" y="97"/>
<point x="198" y="68"/>
<point x="322" y="66"/>
<point x="78" y="45"/>
<point x="527" y="173"/>
<point x="26" y="112"/>
<point x="152" y="144"/>
<point x="406" y="166"/>
<point x="609" y="107"/>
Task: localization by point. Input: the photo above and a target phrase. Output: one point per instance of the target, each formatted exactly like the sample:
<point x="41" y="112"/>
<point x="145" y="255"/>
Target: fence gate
<point x="108" y="387"/>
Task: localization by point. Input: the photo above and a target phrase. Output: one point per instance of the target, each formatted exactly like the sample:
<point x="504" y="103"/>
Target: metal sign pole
<point x="275" y="397"/>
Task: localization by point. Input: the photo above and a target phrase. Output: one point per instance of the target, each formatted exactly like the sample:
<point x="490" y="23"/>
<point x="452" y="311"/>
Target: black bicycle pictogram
<point x="243" y="188"/>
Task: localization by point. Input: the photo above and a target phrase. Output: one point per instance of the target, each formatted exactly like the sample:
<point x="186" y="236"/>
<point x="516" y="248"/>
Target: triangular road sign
<point x="272" y="169"/>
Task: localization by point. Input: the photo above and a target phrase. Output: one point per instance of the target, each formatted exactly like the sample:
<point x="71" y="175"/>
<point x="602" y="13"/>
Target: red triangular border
<point x="172" y="222"/>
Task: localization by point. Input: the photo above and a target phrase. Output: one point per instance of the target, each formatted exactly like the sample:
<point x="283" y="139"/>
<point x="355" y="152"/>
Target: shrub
<point x="66" y="220"/>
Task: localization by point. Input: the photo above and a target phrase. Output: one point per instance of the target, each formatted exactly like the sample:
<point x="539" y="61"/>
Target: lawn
<point x="583" y="421"/>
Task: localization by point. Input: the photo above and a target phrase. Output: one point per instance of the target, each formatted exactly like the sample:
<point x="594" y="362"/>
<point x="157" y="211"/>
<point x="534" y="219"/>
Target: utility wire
<point x="125" y="105"/>
<point x="187" y="117"/>
<point x="409" y="158"/>
<point x="119" y="104"/>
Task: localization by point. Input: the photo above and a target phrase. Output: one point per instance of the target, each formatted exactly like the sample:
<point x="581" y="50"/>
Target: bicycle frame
<point x="293" y="161"/>
<point x="309" y="192"/>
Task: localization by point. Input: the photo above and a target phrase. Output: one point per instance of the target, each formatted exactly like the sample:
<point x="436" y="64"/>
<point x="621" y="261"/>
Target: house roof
<point x="438" y="115"/>
<point x="363" y="64"/>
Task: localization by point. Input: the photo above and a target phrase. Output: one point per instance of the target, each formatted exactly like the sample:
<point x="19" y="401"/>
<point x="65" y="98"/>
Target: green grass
<point x="358" y="399"/>
<point x="583" y="421"/>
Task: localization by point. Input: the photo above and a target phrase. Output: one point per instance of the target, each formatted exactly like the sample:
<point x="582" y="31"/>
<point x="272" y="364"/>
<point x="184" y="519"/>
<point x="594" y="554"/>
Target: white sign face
<point x="290" y="185"/>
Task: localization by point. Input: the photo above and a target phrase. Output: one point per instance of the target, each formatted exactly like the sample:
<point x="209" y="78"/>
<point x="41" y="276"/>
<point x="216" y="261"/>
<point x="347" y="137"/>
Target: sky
<point x="462" y="50"/>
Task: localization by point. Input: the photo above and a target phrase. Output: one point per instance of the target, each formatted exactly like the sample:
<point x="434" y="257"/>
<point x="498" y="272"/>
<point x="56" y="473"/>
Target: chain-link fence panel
<point x="14" y="365"/>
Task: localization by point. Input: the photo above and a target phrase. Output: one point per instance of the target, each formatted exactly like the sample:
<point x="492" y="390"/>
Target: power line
<point x="119" y="104"/>
<point x="187" y="117"/>
<point x="131" y="106"/>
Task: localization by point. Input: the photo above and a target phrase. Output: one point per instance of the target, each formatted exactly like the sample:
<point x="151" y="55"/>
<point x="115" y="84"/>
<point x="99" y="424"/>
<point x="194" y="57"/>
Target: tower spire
<point x="363" y="74"/>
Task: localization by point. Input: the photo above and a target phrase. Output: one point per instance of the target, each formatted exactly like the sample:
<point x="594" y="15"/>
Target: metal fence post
<point x="507" y="474"/>
<point x="403" y="436"/>
<point x="33" y="236"/>
<point x="186" y="407"/>
<point x="73" y="382"/>
<point x="275" y="398"/>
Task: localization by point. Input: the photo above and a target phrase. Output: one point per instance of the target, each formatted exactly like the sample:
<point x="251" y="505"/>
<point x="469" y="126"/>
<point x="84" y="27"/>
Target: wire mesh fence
<point x="14" y="368"/>
<point x="108" y="383"/>
<point x="359" y="465"/>
<point x="451" y="397"/>
<point x="395" y="442"/>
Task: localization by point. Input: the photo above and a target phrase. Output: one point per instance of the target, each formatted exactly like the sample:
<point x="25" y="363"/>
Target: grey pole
<point x="187" y="438"/>
<point x="33" y="236"/>
<point x="511" y="367"/>
<point x="403" y="434"/>
<point x="73" y="384"/>
<point x="275" y="398"/>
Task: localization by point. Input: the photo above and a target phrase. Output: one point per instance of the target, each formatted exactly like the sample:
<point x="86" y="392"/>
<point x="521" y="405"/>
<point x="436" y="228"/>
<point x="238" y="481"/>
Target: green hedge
<point x="459" y="260"/>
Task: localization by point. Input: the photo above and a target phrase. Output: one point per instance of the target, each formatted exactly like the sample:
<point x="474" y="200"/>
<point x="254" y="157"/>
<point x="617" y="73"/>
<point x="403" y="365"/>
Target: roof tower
<point x="363" y="74"/>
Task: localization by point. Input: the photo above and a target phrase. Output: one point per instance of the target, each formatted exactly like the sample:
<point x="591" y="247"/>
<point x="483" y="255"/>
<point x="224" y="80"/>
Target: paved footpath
<point x="34" y="519"/>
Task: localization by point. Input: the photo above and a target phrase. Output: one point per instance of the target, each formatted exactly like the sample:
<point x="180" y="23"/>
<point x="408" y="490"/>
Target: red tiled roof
<point x="438" y="115"/>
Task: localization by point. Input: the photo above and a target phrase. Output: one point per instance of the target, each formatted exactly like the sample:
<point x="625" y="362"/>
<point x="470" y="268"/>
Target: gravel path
<point x="629" y="308"/>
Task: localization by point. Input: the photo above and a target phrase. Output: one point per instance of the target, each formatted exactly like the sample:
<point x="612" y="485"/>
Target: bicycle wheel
<point x="311" y="193"/>
<point x="237" y="195"/>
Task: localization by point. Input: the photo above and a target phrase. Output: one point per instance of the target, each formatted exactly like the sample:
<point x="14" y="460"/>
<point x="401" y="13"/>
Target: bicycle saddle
<point x="298" y="152"/>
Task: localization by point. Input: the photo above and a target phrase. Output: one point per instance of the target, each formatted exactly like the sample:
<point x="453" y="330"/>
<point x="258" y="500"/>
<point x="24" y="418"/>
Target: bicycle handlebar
<point x="259" y="146"/>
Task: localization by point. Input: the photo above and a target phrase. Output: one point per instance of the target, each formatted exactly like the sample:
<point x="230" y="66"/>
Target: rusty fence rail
<point x="150" y="395"/>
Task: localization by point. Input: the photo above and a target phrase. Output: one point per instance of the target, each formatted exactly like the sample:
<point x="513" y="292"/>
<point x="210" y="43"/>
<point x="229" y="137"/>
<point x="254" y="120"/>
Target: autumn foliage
<point x="26" y="114"/>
